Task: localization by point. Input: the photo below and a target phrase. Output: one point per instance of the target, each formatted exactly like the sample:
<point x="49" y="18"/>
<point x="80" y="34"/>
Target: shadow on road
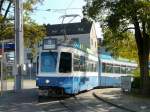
<point x="24" y="96"/>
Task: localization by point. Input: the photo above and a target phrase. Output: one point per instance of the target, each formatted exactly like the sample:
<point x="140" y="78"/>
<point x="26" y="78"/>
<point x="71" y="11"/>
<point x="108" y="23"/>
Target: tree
<point x="33" y="34"/>
<point x="30" y="27"/>
<point x="6" y="6"/>
<point x="5" y="24"/>
<point x="120" y="46"/>
<point x="122" y="15"/>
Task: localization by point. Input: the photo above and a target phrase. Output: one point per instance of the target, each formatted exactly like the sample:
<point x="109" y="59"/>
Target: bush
<point x="136" y="83"/>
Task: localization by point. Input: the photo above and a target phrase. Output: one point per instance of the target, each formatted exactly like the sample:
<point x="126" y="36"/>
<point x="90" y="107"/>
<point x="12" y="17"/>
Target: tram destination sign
<point x="49" y="44"/>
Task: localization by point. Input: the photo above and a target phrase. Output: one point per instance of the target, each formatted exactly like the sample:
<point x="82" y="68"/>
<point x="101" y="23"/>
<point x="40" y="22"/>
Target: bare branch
<point x="126" y="29"/>
<point x="7" y="10"/>
<point x="1" y="4"/>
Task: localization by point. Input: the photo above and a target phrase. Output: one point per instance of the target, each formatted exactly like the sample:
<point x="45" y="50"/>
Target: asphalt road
<point x="27" y="101"/>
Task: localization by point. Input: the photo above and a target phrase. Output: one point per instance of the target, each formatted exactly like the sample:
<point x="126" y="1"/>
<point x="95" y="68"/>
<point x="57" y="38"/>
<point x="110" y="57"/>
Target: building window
<point x="74" y="40"/>
<point x="80" y="29"/>
<point x="62" y="30"/>
<point x="54" y="31"/>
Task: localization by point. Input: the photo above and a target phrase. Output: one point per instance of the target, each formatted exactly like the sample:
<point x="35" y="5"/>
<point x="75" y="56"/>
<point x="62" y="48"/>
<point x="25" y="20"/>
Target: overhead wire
<point x="68" y="6"/>
<point x="62" y="11"/>
<point x="55" y="10"/>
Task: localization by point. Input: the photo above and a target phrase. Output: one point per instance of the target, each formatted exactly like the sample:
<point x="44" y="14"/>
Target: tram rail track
<point x="112" y="104"/>
<point x="66" y="106"/>
<point x="73" y="103"/>
<point x="105" y="101"/>
<point x="76" y="101"/>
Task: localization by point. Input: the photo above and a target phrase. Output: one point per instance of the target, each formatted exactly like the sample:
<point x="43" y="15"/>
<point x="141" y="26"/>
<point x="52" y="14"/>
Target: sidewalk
<point x="27" y="84"/>
<point x="115" y="97"/>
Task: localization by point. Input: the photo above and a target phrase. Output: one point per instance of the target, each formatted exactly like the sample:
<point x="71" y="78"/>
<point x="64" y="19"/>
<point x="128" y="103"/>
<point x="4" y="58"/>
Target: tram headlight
<point x="47" y="81"/>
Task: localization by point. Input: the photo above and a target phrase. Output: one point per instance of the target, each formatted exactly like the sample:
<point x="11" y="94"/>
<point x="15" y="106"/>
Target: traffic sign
<point x="7" y="47"/>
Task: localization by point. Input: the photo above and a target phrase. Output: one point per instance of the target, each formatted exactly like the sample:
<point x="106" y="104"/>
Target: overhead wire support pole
<point x="2" y="75"/>
<point x="19" y="44"/>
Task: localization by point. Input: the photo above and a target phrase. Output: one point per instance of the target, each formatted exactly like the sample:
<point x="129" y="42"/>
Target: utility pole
<point x="19" y="44"/>
<point x="2" y="75"/>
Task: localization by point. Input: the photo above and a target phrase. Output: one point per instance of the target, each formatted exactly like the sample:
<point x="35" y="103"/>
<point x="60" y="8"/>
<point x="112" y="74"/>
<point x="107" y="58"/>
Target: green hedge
<point x="136" y="83"/>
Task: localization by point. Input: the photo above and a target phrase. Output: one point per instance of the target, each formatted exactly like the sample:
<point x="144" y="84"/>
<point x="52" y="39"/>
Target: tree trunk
<point x="142" y="41"/>
<point x="144" y="73"/>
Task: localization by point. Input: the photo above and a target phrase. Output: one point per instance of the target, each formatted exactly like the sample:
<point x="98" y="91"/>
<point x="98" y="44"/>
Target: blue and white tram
<point x="66" y="70"/>
<point x="112" y="70"/>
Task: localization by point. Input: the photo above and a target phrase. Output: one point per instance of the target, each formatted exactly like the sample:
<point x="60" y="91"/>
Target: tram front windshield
<point x="48" y="61"/>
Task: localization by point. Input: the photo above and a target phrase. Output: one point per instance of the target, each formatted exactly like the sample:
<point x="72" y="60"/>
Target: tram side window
<point x="82" y="63"/>
<point x="109" y="68"/>
<point x="104" y="67"/>
<point x="123" y="69"/>
<point x="87" y="67"/>
<point x="76" y="63"/>
<point x="116" y="69"/>
<point x="86" y="64"/>
<point x="94" y="67"/>
<point x="128" y="70"/>
<point x="90" y="67"/>
<point x="65" y="64"/>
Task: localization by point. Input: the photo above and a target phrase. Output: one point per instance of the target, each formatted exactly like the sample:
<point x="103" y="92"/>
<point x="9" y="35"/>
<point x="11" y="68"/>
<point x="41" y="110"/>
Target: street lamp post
<point x="19" y="44"/>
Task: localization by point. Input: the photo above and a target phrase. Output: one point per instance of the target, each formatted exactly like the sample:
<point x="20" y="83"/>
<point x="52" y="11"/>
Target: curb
<point x="110" y="103"/>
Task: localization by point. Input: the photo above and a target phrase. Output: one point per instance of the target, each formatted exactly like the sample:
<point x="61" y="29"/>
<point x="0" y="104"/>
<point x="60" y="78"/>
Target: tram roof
<point x="109" y="59"/>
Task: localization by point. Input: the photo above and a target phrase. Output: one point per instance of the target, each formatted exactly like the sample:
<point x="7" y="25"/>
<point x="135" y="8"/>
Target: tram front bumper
<point x="54" y="82"/>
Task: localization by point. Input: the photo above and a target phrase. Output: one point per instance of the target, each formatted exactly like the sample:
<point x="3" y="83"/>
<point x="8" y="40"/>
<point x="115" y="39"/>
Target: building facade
<point x="83" y="33"/>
